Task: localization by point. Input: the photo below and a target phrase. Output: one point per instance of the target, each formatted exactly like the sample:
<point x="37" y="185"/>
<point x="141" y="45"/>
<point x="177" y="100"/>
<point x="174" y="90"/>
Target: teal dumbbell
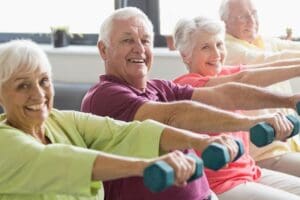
<point x="298" y="107"/>
<point x="216" y="156"/>
<point x="263" y="134"/>
<point x="160" y="175"/>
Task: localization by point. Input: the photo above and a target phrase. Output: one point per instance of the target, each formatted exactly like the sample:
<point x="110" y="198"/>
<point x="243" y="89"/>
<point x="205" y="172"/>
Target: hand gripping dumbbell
<point x="216" y="156"/>
<point x="263" y="134"/>
<point x="160" y="175"/>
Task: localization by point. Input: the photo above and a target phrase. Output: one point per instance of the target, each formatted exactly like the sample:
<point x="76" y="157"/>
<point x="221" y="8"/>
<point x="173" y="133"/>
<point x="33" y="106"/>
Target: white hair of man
<point x="16" y="55"/>
<point x="225" y="6"/>
<point x="185" y="30"/>
<point x="224" y="10"/>
<point x="123" y="14"/>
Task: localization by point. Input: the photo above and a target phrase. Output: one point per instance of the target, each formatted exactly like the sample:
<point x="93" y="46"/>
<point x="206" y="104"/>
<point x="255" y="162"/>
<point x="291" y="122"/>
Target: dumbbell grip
<point x="298" y="107"/>
<point x="160" y="175"/>
<point x="241" y="150"/>
<point x="263" y="134"/>
<point x="216" y="156"/>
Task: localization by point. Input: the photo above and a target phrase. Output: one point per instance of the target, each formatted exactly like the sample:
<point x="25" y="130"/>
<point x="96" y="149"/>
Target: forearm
<point x="174" y="138"/>
<point x="203" y="118"/>
<point x="236" y="96"/>
<point x="108" y="167"/>
<point x="276" y="63"/>
<point x="268" y="75"/>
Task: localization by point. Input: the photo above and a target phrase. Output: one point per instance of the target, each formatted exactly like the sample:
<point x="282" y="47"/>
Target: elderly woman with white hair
<point x="200" y="42"/>
<point x="64" y="155"/>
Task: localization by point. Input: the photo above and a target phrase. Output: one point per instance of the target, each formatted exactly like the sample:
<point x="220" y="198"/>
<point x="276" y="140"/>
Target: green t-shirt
<point x="62" y="170"/>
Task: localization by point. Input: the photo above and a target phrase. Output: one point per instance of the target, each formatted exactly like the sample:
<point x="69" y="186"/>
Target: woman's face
<point x="208" y="54"/>
<point x="27" y="98"/>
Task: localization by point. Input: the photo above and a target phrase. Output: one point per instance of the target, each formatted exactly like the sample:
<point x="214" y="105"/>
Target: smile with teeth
<point x="36" y="107"/>
<point x="134" y="60"/>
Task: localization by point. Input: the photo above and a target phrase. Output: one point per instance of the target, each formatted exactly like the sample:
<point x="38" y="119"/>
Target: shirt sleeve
<point x="280" y="45"/>
<point x="29" y="167"/>
<point x="240" y="53"/>
<point x="195" y="80"/>
<point x="136" y="139"/>
<point x="115" y="101"/>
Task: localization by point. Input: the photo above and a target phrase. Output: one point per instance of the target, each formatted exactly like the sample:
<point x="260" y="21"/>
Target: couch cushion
<point x="68" y="96"/>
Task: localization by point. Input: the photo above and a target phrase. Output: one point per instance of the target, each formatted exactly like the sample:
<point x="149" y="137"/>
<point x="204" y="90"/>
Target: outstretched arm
<point x="194" y="116"/>
<point x="264" y="76"/>
<point x="171" y="138"/>
<point x="276" y="63"/>
<point x="237" y="96"/>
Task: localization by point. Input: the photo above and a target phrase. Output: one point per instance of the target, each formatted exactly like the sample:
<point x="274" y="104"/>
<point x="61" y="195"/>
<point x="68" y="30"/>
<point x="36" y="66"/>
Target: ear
<point x="185" y="58"/>
<point x="102" y="49"/>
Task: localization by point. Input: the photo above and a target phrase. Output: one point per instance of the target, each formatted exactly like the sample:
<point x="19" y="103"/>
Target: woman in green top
<point x="63" y="155"/>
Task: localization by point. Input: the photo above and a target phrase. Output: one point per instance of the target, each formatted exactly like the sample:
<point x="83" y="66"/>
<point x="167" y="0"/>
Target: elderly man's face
<point x="242" y="22"/>
<point x="129" y="53"/>
<point x="208" y="54"/>
<point x="27" y="98"/>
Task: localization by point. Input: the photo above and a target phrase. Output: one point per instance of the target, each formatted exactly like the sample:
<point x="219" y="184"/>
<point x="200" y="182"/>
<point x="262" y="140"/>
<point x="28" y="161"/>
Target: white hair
<point x="185" y="30"/>
<point x="21" y="54"/>
<point x="224" y="10"/>
<point x="123" y="13"/>
<point x="225" y="5"/>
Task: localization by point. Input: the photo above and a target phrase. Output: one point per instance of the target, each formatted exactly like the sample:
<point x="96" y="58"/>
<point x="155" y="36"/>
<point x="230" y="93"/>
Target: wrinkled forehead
<point x="132" y="25"/>
<point x="241" y="7"/>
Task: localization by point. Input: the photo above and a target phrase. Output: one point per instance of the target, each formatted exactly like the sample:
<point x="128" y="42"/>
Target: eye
<point x="23" y="86"/>
<point x="146" y="41"/>
<point x="205" y="47"/>
<point x="128" y="40"/>
<point x="45" y="82"/>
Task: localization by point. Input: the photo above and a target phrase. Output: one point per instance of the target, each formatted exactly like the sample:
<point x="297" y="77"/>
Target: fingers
<point x="184" y="166"/>
<point x="282" y="126"/>
<point x="229" y="142"/>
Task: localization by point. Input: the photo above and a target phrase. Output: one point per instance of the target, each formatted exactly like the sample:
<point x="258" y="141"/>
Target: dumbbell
<point x="263" y="134"/>
<point x="216" y="156"/>
<point x="160" y="175"/>
<point x="298" y="107"/>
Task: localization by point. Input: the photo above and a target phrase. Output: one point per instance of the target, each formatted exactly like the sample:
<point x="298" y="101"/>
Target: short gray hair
<point x="19" y="54"/>
<point x="186" y="28"/>
<point x="122" y="13"/>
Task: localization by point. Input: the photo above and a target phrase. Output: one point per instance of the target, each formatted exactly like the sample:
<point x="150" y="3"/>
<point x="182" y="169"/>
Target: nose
<point x="215" y="52"/>
<point x="251" y="19"/>
<point x="139" y="47"/>
<point x="37" y="92"/>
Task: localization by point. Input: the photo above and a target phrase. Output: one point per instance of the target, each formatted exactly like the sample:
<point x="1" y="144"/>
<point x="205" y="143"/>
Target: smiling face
<point x="208" y="55"/>
<point x="129" y="52"/>
<point x="27" y="99"/>
<point x="242" y="21"/>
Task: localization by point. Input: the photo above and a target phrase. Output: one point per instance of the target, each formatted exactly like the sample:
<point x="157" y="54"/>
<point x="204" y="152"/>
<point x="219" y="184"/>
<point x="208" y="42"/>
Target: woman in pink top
<point x="200" y="42"/>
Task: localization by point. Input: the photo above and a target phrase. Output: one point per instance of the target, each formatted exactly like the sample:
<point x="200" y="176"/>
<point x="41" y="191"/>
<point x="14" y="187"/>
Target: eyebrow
<point x="26" y="77"/>
<point x="129" y="34"/>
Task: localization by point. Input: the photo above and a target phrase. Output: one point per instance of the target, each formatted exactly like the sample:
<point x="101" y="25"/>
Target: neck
<point x="140" y="84"/>
<point x="38" y="131"/>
